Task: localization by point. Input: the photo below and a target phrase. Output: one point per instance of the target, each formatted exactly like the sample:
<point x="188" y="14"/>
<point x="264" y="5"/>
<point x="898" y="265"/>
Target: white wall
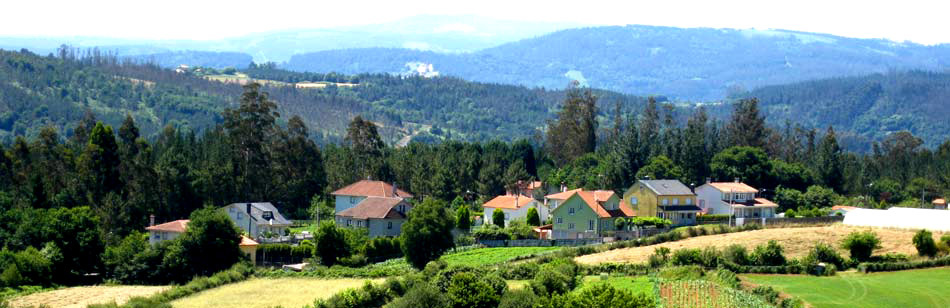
<point x="511" y="214"/>
<point x="709" y="197"/>
<point x="161" y="236"/>
<point x="344" y="202"/>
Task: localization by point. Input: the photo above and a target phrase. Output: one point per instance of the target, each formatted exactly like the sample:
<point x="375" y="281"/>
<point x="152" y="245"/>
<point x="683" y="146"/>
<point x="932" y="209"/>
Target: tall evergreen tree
<point x="829" y="161"/>
<point x="574" y="132"/>
<point x="747" y="126"/>
<point x="250" y="128"/>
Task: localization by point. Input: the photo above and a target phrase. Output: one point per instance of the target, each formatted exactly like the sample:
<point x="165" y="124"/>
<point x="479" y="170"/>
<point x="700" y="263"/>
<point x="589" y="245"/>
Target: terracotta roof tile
<point x="939" y="201"/>
<point x="508" y="202"/>
<point x="171" y="226"/>
<point x="375" y="207"/>
<point x="563" y="195"/>
<point x="246" y="241"/>
<point x="371" y="188"/>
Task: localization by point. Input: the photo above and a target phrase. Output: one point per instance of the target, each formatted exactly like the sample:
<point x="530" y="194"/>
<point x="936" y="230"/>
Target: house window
<point x="570" y="211"/>
<point x="633" y="200"/>
<point x="348" y="222"/>
<point x="157" y="236"/>
<point x="240" y="216"/>
<point x="570" y="226"/>
<point x="676" y="201"/>
<point x="402" y="208"/>
<point x="666" y="201"/>
<point x="389" y="225"/>
<point x="560" y="220"/>
<point x="689" y="201"/>
<point x="590" y="225"/>
<point x="702" y="203"/>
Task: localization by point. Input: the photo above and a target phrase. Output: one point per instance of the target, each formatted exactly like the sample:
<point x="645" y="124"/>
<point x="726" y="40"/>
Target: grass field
<point x="79" y="297"/>
<point x="796" y="241"/>
<point x="263" y="293"/>
<point x="489" y="256"/>
<point x="904" y="289"/>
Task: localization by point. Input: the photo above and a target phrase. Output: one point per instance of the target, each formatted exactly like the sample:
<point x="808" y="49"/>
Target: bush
<point x="605" y="295"/>
<point x="331" y="244"/>
<point x="686" y="256"/>
<point x="491" y="232"/>
<point x="737" y="254"/>
<point x="661" y="255"/>
<point x="468" y="290"/>
<point x="769" y="255"/>
<point x="899" y="266"/>
<point x="943" y="246"/>
<point x="924" y="241"/>
<point x="825" y="253"/>
<point x="861" y="244"/>
<point x="520" y="230"/>
<point x="427" y="234"/>
<point x="498" y="218"/>
<point x="367" y="296"/>
<point x="551" y="282"/>
<point x="421" y="295"/>
<point x="382" y="248"/>
<point x="523" y="298"/>
<point x="520" y="271"/>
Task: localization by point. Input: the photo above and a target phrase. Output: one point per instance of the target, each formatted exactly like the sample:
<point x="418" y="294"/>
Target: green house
<point x="587" y="214"/>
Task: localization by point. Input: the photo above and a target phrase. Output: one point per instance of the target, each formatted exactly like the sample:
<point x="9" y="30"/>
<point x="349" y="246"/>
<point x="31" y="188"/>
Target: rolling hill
<point x="686" y="64"/>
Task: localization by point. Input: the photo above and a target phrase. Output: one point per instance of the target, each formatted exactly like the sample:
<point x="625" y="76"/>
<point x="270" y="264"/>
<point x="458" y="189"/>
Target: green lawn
<point x="904" y="289"/>
<point x="489" y="256"/>
<point x="635" y="284"/>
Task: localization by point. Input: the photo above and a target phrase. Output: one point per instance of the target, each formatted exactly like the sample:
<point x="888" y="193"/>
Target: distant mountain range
<point x="447" y="34"/>
<point x="685" y="64"/>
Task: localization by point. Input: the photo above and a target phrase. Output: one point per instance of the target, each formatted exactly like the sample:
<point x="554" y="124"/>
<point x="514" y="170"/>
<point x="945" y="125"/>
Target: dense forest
<point x="868" y="108"/>
<point x="59" y="89"/>
<point x="686" y="64"/>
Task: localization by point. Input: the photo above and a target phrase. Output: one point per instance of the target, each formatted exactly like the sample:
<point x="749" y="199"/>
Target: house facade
<point x="514" y="206"/>
<point x="585" y="214"/>
<point x="939" y="204"/>
<point x="257" y="218"/>
<point x="380" y="216"/>
<point x="667" y="199"/>
<point x="166" y="231"/>
<point x="734" y="198"/>
<point x="351" y="195"/>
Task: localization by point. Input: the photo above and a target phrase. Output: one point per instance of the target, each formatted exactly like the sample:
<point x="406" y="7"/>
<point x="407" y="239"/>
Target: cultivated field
<point x="79" y="297"/>
<point x="905" y="289"/>
<point x="796" y="241"/>
<point x="635" y="284"/>
<point x="489" y="256"/>
<point x="263" y="293"/>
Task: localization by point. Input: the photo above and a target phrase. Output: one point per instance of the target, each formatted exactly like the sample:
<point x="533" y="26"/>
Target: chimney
<point x="563" y="187"/>
<point x="737" y="180"/>
<point x="394" y="190"/>
<point x="151" y="220"/>
<point x="708" y="180"/>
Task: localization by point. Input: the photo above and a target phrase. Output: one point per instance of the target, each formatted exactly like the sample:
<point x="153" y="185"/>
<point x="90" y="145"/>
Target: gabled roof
<point x="733" y="187"/>
<point x="508" y="202"/>
<point x="246" y="241"/>
<point x="177" y="226"/>
<point x="939" y="201"/>
<point x="667" y="187"/>
<point x="563" y="195"/>
<point x="595" y="200"/>
<point x="262" y="207"/>
<point x="843" y="208"/>
<point x="370" y="188"/>
<point x="376" y="208"/>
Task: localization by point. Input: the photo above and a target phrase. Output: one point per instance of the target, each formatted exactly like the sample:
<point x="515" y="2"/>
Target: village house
<point x="667" y="199"/>
<point x="380" y="216"/>
<point x="514" y="206"/>
<point x="257" y="218"/>
<point x="585" y="214"/>
<point x="939" y="204"/>
<point x="841" y="210"/>
<point x="173" y="229"/>
<point x="353" y="194"/>
<point x="734" y="198"/>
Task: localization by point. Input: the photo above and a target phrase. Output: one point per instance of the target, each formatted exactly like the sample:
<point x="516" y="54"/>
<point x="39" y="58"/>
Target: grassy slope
<point x="635" y="284"/>
<point x="905" y="289"/>
<point x="489" y="256"/>
<point x="263" y="293"/>
<point x="796" y="241"/>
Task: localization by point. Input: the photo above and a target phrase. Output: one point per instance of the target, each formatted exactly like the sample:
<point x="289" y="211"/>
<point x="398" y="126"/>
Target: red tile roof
<point x="939" y="201"/>
<point x="246" y="241"/>
<point x="764" y="202"/>
<point x="843" y="207"/>
<point x="369" y="188"/>
<point x="508" y="202"/>
<point x="563" y="195"/>
<point x="375" y="207"/>
<point x="596" y="199"/>
<point x="178" y="226"/>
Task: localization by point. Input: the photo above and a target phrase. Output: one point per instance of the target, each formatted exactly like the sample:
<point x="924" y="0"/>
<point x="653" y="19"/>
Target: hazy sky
<point x="919" y="21"/>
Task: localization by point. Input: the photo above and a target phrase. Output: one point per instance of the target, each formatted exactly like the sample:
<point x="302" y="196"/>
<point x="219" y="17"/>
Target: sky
<point x="923" y="22"/>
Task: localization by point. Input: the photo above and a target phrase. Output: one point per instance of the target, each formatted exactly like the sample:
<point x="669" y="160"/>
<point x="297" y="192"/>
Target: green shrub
<point x="924" y="241"/>
<point x="524" y="298"/>
<point x="491" y="232"/>
<point x="520" y="271"/>
<point x="825" y="253"/>
<point x="468" y="290"/>
<point x="861" y="244"/>
<point x="382" y="248"/>
<point x="549" y="282"/>
<point x="686" y="256"/>
<point x="331" y="244"/>
<point x="770" y="254"/>
<point x="691" y="272"/>
<point x="737" y="254"/>
<point x="421" y="295"/>
<point x="367" y="296"/>
<point x="605" y="295"/>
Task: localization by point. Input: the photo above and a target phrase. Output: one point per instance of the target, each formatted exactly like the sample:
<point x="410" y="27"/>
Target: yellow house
<point x="668" y="199"/>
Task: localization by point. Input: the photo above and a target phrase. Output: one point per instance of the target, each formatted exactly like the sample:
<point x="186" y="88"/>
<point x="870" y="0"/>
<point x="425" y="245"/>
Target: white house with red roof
<point x="515" y="206"/>
<point x="734" y="198"/>
<point x="173" y="229"/>
<point x="351" y="195"/>
<point x="380" y="216"/>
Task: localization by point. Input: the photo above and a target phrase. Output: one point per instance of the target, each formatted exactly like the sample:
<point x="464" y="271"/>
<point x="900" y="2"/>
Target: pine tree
<point x="574" y="133"/>
<point x="747" y="126"/>
<point x="829" y="161"/>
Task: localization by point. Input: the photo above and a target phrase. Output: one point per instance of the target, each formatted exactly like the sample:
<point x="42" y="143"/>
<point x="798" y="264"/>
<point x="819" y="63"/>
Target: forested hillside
<point x="37" y="91"/>
<point x="692" y="64"/>
<point x="869" y="107"/>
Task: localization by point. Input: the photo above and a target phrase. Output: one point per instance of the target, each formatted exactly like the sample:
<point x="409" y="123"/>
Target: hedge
<point x="283" y="253"/>
<point x="870" y="267"/>
<point x="669" y="236"/>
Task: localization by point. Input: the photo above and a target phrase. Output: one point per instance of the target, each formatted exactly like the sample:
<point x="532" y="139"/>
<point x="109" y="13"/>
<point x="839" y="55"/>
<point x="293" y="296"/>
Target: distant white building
<point x="256" y="218"/>
<point x="734" y="198"/>
<point x="901" y="218"/>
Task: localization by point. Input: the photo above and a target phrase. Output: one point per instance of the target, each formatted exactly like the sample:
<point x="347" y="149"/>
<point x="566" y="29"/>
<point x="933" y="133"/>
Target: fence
<point x="541" y="243"/>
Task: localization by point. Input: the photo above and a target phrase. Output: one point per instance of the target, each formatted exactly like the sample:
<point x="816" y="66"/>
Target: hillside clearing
<point x="263" y="293"/>
<point x="796" y="241"/>
<point x="79" y="297"/>
<point x="906" y="289"/>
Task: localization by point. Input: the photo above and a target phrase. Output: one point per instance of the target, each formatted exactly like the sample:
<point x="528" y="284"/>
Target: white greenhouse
<point x="901" y="218"/>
